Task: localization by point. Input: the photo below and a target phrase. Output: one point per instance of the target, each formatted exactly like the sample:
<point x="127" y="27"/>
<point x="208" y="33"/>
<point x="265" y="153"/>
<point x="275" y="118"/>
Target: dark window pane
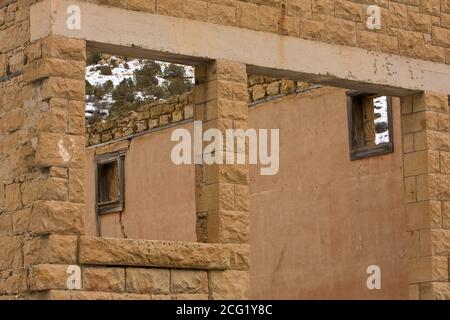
<point x="369" y="124"/>
<point x="109" y="182"/>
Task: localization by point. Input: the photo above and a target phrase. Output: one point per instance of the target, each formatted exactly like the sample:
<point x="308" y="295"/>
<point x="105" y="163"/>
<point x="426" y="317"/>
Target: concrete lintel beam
<point x="188" y="41"/>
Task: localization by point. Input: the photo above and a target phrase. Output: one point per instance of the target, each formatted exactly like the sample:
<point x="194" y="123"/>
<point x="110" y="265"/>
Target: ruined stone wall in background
<point x="148" y="117"/>
<point x="261" y="88"/>
<point x="179" y="108"/>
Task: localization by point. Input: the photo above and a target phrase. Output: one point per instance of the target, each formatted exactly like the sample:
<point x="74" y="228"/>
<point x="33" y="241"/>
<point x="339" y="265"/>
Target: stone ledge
<point x="98" y="295"/>
<point x="150" y="253"/>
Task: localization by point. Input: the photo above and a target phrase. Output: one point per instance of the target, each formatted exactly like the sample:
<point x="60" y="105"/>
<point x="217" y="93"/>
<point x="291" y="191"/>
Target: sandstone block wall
<point x="261" y="88"/>
<point x="426" y="146"/>
<point x="415" y="28"/>
<point x="31" y="196"/>
<point x="118" y="269"/>
<point x="42" y="145"/>
<point x="42" y="137"/>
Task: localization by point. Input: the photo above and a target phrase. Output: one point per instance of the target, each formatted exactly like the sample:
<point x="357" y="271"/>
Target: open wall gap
<point x="132" y="107"/>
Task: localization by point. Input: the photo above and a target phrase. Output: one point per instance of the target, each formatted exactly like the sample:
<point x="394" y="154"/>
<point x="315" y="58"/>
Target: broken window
<point x="110" y="182"/>
<point x="370" y="124"/>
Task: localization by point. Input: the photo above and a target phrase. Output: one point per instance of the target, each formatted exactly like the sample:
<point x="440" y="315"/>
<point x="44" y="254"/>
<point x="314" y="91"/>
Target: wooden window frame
<point x="356" y="152"/>
<point x="113" y="206"/>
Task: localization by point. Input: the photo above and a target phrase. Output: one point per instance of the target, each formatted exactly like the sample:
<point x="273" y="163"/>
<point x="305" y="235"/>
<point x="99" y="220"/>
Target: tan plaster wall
<point x="319" y="223"/>
<point x="159" y="196"/>
<point x="315" y="227"/>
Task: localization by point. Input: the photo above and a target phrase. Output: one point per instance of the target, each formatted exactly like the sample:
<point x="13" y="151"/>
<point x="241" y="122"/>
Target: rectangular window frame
<point x="357" y="153"/>
<point x="114" y="206"/>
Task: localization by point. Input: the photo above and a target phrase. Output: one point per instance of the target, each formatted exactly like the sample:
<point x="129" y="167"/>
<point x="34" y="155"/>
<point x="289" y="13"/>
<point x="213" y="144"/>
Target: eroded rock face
<point x="152" y="253"/>
<point x="104" y="279"/>
<point x="189" y="281"/>
<point x="435" y="291"/>
<point x="60" y="150"/>
<point x="141" y="280"/>
<point x="13" y="282"/>
<point x="229" y="284"/>
<point x="9" y="259"/>
<point x="57" y="216"/>
<point x="48" y="276"/>
<point x="58" y="249"/>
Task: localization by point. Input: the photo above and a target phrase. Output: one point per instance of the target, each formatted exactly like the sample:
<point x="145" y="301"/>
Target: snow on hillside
<point x="119" y="73"/>
<point x="123" y="70"/>
<point x="380" y="104"/>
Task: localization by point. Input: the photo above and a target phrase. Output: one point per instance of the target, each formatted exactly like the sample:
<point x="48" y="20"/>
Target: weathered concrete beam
<point x="188" y="41"/>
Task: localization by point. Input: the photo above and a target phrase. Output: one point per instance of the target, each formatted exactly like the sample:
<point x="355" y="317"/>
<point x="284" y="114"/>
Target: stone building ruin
<point x="221" y="231"/>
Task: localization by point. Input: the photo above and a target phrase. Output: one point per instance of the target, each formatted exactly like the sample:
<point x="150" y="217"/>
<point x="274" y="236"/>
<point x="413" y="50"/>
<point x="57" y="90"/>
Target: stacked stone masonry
<point x="41" y="102"/>
<point x="42" y="147"/>
<point x="415" y="28"/>
<point x="426" y="146"/>
<point x="222" y="200"/>
<point x="149" y="117"/>
<point x="120" y="269"/>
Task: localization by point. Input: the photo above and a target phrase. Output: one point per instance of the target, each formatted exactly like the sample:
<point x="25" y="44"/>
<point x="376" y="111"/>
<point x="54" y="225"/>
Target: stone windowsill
<point x="151" y="253"/>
